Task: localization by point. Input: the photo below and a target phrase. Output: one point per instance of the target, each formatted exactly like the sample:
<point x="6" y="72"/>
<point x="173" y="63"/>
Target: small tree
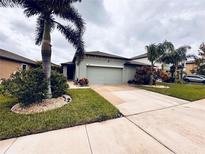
<point x="199" y="60"/>
<point x="202" y="50"/>
<point x="174" y="56"/>
<point x="154" y="52"/>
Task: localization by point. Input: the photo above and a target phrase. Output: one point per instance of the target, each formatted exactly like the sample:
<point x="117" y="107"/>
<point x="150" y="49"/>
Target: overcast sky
<point x="121" y="27"/>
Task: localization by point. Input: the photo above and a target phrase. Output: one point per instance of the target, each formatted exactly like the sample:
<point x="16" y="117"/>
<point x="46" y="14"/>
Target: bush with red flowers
<point x="83" y="82"/>
<point x="143" y="75"/>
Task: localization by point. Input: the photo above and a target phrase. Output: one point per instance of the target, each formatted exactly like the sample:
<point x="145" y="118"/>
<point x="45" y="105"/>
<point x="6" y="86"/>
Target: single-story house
<point x="11" y="62"/>
<point x="102" y="68"/>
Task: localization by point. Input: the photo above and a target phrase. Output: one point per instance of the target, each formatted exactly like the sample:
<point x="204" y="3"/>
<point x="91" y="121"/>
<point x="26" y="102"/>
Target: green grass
<point x="87" y="106"/>
<point x="190" y="92"/>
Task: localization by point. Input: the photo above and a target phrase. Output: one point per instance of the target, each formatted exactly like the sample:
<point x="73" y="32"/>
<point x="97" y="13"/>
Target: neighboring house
<point x="165" y="67"/>
<point x="144" y="59"/>
<point x="190" y="66"/>
<point x="11" y="62"/>
<point x="102" y="68"/>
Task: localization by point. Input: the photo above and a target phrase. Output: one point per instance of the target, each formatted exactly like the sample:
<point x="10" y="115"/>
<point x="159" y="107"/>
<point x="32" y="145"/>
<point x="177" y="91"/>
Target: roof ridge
<point x="105" y="53"/>
<point x="140" y="56"/>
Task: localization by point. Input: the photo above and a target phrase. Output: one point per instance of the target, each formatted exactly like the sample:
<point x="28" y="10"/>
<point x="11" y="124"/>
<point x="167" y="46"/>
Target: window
<point x="196" y="77"/>
<point x="24" y="67"/>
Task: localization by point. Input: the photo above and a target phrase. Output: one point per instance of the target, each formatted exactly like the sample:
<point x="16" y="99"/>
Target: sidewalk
<point x="118" y="136"/>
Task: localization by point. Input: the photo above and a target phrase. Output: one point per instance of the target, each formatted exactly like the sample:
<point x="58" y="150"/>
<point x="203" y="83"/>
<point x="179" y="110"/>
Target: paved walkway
<point x="177" y="127"/>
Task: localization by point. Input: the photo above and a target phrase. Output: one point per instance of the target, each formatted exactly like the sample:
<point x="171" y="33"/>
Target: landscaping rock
<point x="67" y="98"/>
<point x="45" y="105"/>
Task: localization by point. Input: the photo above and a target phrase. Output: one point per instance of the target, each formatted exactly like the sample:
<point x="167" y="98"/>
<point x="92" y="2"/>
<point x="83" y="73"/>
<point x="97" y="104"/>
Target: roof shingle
<point x="104" y="54"/>
<point x="140" y="56"/>
<point x="15" y="57"/>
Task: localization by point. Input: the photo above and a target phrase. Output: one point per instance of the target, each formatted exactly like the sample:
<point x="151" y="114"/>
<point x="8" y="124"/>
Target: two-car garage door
<point x="104" y="75"/>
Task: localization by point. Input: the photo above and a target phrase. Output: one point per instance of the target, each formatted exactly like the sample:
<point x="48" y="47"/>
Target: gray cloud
<point x="122" y="27"/>
<point x="3" y="37"/>
<point x="21" y="27"/>
<point x="94" y="11"/>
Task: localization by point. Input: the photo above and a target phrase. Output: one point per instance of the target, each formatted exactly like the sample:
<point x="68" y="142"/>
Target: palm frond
<point x="39" y="30"/>
<point x="60" y="3"/>
<point x="73" y="37"/>
<point x="32" y="7"/>
<point x="71" y="14"/>
<point x="155" y="52"/>
<point x="169" y="46"/>
<point x="181" y="53"/>
<point x="10" y="3"/>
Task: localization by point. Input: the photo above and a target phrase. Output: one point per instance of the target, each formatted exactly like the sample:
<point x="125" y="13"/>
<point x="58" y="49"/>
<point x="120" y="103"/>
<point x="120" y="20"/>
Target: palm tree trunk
<point x="46" y="56"/>
<point x="152" y="75"/>
<point x="177" y="71"/>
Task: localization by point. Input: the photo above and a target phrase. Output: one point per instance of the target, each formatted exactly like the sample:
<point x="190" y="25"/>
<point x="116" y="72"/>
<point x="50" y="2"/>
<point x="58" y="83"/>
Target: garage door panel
<point x="104" y="75"/>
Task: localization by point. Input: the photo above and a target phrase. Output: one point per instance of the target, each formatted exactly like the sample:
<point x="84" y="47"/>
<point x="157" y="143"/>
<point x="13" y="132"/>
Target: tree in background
<point x="202" y="51"/>
<point x="46" y="12"/>
<point x="174" y="56"/>
<point x="154" y="52"/>
<point x="199" y="60"/>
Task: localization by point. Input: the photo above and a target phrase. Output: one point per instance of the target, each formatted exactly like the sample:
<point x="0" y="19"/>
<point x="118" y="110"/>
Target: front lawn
<point x="87" y="106"/>
<point x="190" y="92"/>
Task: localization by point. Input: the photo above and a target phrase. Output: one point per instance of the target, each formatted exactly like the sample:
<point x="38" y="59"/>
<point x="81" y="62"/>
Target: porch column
<point x="65" y="70"/>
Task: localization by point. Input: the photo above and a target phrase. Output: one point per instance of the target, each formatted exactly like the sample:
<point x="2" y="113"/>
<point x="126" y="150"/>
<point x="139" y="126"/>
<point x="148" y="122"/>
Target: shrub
<point x="143" y="75"/>
<point x="54" y="67"/>
<point x="27" y="86"/>
<point x="83" y="82"/>
<point x="30" y="86"/>
<point x="130" y="81"/>
<point x="58" y="84"/>
<point x="1" y="89"/>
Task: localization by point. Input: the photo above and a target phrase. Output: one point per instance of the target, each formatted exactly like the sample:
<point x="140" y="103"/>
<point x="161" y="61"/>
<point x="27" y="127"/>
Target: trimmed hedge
<point x="27" y="86"/>
<point x="58" y="84"/>
<point x="30" y="86"/>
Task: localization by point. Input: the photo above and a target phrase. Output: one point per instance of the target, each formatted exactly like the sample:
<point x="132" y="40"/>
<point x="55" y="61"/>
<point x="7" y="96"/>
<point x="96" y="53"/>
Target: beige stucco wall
<point x="7" y="67"/>
<point x="189" y="68"/>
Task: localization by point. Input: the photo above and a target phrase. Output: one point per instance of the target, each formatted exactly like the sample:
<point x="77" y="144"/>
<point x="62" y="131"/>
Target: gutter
<point x="106" y="66"/>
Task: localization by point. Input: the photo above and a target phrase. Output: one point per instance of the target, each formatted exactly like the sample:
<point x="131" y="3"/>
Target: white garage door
<point x="104" y="75"/>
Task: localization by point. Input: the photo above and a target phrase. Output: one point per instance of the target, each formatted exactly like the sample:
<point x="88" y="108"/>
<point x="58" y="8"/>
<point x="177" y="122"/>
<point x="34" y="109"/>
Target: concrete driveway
<point x="176" y="126"/>
<point x="180" y="128"/>
<point x="132" y="100"/>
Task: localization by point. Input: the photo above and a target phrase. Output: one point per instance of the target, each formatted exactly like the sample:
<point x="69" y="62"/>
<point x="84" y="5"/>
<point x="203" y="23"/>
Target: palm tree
<point x="174" y="56"/>
<point x="46" y="12"/>
<point x="154" y="52"/>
